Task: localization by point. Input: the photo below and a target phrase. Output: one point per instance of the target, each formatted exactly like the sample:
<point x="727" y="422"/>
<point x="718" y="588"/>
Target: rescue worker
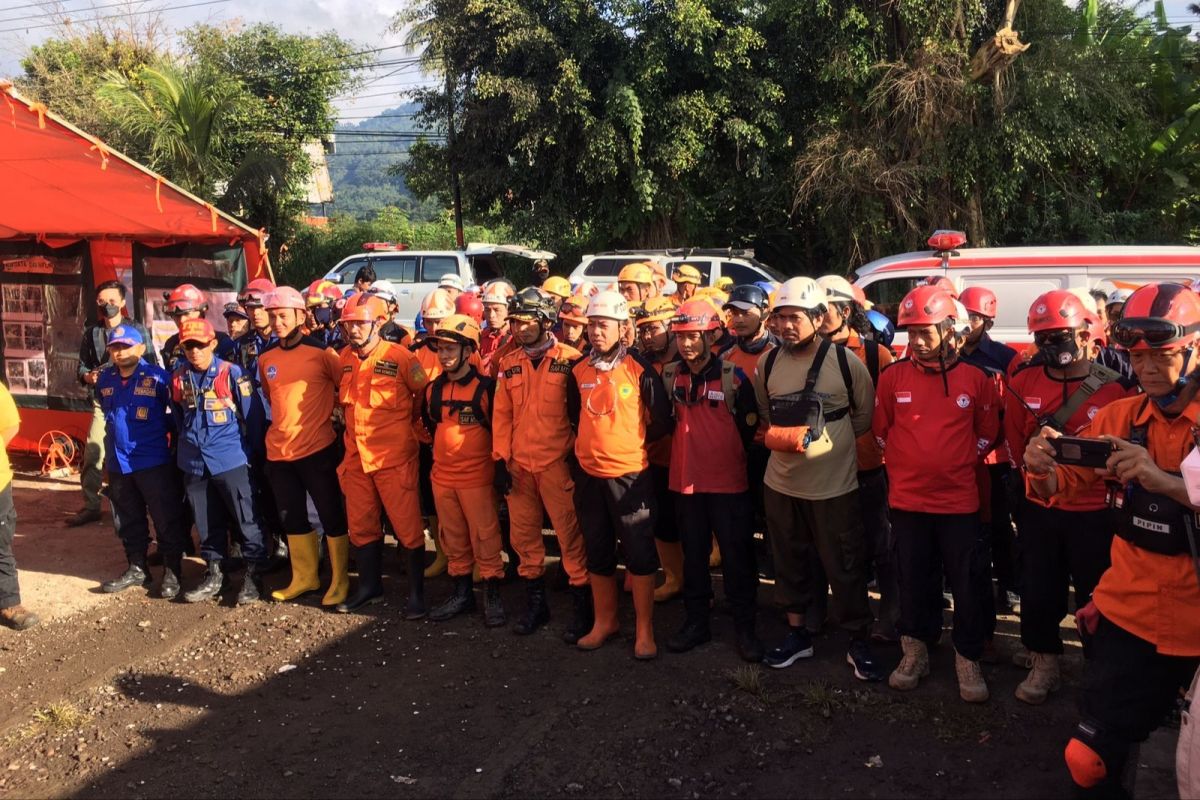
<point x="495" y="319"/>
<point x="686" y="278"/>
<point x="458" y="413"/>
<point x="617" y="405"/>
<point x="997" y="360"/>
<point x="300" y="378"/>
<point x="656" y="345"/>
<point x="364" y="278"/>
<point x="210" y="400"/>
<point x="747" y="310"/>
<point x="183" y="303"/>
<point x="12" y="613"/>
<point x="934" y="399"/>
<point x="237" y="323"/>
<point x="943" y="283"/>
<point x="452" y="285"/>
<point x="1142" y="620"/>
<point x="380" y="391"/>
<point x="716" y="417"/>
<point x="815" y="399"/>
<point x="572" y="323"/>
<point x="541" y="271"/>
<point x="1068" y="543"/>
<point x="557" y="288"/>
<point x="93" y="357"/>
<point x="531" y="441"/>
<point x="135" y="397"/>
<point x="845" y="322"/>
<point x="321" y="298"/>
<point x="468" y="304"/>
<point x="636" y="284"/>
<point x="1115" y="306"/>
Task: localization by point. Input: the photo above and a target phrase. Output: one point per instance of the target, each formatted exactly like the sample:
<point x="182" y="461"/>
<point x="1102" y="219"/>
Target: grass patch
<point x="749" y="679"/>
<point x="61" y="717"/>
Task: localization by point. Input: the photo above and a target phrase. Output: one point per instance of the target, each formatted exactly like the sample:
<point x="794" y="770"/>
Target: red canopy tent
<point x="73" y="214"/>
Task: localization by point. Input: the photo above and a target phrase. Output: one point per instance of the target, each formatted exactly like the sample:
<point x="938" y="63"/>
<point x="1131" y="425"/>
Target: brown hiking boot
<point x="971" y="686"/>
<point x="18" y="618"/>
<point x="1044" y="678"/>
<point x="912" y="667"/>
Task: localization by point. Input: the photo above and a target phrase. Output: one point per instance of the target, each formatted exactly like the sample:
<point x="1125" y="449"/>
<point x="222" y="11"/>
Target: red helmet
<point x="1058" y="310"/>
<point x="925" y="305"/>
<point x="255" y="291"/>
<point x="470" y="304"/>
<point x="364" y="307"/>
<point x="1158" y="316"/>
<point x="943" y="283"/>
<point x="185" y="298"/>
<point x="979" y="300"/>
<point x="322" y="291"/>
<point x="696" y="315"/>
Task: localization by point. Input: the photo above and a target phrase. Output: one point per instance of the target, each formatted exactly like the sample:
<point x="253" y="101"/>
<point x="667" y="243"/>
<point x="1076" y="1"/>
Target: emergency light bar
<point x="941" y="241"/>
<point x="369" y="247"/>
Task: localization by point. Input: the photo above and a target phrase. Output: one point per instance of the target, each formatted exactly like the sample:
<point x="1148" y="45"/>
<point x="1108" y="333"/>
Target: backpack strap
<point x="1098" y="376"/>
<point x="485" y="418"/>
<point x="872" y="351"/>
<point x="847" y="378"/>
<point x="814" y="369"/>
<point x="434" y="411"/>
<point x="768" y="365"/>
<point x="727" y="388"/>
<point x="669" y="373"/>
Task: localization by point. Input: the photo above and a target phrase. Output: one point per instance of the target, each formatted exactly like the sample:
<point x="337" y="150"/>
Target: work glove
<point x="502" y="480"/>
<point x="1087" y="618"/>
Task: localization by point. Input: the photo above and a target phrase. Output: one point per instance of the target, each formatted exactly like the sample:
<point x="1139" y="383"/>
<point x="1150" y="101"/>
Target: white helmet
<point x="1118" y="296"/>
<point x="497" y="294"/>
<point x="960" y="322"/>
<point x="451" y="280"/>
<point x="837" y="289"/>
<point x="800" y="293"/>
<point x="1086" y="298"/>
<point x="608" y="305"/>
<point x="383" y="288"/>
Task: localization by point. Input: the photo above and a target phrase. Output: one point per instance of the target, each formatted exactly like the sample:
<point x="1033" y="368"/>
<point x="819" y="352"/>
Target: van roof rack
<point x="685" y="252"/>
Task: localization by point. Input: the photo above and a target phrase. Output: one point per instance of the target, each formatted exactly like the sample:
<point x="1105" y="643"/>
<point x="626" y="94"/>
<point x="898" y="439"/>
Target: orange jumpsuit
<point x="379" y="394"/>
<point x="532" y="434"/>
<point x="458" y="414"/>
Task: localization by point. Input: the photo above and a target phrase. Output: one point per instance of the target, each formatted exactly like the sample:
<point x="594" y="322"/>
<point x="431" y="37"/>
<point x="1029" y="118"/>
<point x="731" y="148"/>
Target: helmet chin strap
<point x="361" y="348"/>
<point x="1168" y="400"/>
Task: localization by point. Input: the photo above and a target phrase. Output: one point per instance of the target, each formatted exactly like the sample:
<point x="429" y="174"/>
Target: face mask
<point x="323" y="316"/>
<point x="1060" y="352"/>
<point x="108" y="310"/>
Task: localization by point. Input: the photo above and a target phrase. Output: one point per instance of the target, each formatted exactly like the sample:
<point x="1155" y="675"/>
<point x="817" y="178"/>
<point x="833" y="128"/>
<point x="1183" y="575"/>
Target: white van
<point x="1019" y="274"/>
<point x="740" y="266"/>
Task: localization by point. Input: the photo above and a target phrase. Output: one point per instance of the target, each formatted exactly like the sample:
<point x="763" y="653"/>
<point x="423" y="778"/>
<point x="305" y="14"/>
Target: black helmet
<point x="747" y="296"/>
<point x="530" y="302"/>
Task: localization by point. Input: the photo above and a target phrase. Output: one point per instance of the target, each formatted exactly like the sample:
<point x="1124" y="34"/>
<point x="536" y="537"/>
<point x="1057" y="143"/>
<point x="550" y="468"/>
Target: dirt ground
<point x="129" y="696"/>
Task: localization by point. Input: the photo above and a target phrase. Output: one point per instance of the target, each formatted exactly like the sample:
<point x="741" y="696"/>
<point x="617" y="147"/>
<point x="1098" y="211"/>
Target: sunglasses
<point x="1154" y="332"/>
<point x="1043" y="339"/>
<point x="190" y="345"/>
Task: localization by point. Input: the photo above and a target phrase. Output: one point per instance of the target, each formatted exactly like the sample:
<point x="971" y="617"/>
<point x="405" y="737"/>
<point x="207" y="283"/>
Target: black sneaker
<point x="860" y="657"/>
<point x="796" y="646"/>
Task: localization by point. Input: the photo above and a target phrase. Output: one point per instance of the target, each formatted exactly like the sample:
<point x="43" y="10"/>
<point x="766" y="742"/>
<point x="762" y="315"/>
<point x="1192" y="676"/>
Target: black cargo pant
<point x="666" y="527"/>
<point x="315" y="475"/>
<point x="833" y="529"/>
<point x="617" y="511"/>
<point x="729" y="517"/>
<point x="928" y="544"/>
<point x="159" y="491"/>
<point x="1060" y="548"/>
<point x="10" y="589"/>
<point x="1003" y="539"/>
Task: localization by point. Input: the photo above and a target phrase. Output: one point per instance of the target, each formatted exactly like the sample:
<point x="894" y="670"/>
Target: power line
<point x="114" y="16"/>
<point x="65" y="12"/>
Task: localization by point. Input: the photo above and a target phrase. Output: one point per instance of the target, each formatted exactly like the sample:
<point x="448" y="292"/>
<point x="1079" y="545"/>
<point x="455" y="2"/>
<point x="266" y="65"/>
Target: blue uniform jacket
<point x="990" y="356"/>
<point x="137" y="418"/>
<point x="210" y="413"/>
<point x="249" y="347"/>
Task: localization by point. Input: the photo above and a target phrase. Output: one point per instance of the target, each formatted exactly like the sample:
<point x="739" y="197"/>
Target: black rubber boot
<point x="749" y="646"/>
<point x="168" y="589"/>
<point x="462" y="601"/>
<point x="416" y="583"/>
<point x="369" y="591"/>
<point x="133" y="575"/>
<point x="209" y="588"/>
<point x="695" y="632"/>
<point x="537" y="613"/>
<point x="582" y="614"/>
<point x="251" y="590"/>
<point x="493" y="608"/>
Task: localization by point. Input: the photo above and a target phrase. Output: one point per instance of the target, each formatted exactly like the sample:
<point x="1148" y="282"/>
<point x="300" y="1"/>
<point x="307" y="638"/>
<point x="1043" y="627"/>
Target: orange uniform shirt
<point x="530" y="426"/>
<point x="300" y="384"/>
<point x="381" y="397"/>
<point x="870" y="454"/>
<point x="618" y="412"/>
<point x="427" y="357"/>
<point x="1155" y="597"/>
<point x="462" y="438"/>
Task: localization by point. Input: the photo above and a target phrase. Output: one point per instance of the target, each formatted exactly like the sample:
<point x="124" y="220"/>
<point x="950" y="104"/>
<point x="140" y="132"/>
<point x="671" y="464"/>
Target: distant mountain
<point x="359" y="167"/>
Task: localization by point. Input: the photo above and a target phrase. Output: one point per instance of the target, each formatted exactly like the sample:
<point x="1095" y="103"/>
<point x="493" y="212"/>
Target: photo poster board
<point x="41" y="321"/>
<point x="217" y="270"/>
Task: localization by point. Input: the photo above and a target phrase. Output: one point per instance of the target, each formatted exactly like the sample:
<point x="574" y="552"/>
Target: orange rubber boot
<point x="604" y="600"/>
<point x="671" y="556"/>
<point x="644" y="647"/>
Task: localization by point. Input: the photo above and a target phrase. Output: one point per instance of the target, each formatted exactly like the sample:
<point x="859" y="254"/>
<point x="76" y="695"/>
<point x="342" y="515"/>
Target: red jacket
<point x="708" y="448"/>
<point x="934" y="429"/>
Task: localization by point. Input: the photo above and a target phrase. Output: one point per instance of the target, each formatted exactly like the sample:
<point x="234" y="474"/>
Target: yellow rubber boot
<point x="714" y="558"/>
<point x="302" y="554"/>
<point x="671" y="556"/>
<point x="439" y="562"/>
<point x="339" y="566"/>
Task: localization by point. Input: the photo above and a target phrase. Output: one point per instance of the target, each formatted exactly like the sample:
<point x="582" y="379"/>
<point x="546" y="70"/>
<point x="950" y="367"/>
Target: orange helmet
<point x="557" y="286"/>
<point x="656" y="309"/>
<point x="365" y="307"/>
<point x="574" y="310"/>
<point x="1057" y="310"/>
<point x="322" y="291"/>
<point x="437" y="305"/>
<point x="636" y="273"/>
<point x="925" y="305"/>
<point x="979" y="300"/>
<point x="1158" y="316"/>
<point x="696" y="315"/>
<point x="458" y="329"/>
<point x="943" y="283"/>
<point x="185" y="298"/>
<point x="586" y="288"/>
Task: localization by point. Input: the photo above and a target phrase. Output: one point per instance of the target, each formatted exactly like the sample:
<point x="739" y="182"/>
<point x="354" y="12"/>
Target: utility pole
<point x="452" y="159"/>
